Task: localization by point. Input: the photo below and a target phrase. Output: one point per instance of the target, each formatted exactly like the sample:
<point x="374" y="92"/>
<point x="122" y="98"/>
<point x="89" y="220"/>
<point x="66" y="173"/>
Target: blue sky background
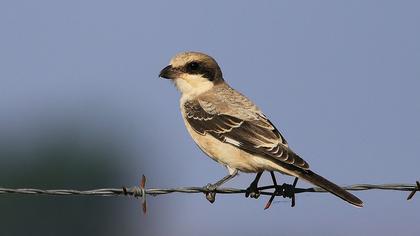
<point x="340" y="79"/>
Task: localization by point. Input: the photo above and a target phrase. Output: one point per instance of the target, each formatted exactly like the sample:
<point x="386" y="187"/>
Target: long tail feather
<point x="320" y="181"/>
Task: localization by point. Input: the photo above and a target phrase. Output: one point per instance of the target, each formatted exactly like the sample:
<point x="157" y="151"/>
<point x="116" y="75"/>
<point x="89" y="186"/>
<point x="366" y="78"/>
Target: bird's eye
<point x="193" y="66"/>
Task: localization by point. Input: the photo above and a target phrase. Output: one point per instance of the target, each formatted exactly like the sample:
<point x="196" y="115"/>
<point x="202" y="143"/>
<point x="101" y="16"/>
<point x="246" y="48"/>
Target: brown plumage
<point x="231" y="129"/>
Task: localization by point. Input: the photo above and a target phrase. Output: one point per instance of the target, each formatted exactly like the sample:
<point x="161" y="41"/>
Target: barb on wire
<point x="139" y="192"/>
<point x="417" y="188"/>
<point x="142" y="191"/>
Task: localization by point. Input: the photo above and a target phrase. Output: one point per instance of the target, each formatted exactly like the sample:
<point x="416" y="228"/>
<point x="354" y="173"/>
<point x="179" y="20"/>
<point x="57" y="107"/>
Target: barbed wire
<point x="141" y="191"/>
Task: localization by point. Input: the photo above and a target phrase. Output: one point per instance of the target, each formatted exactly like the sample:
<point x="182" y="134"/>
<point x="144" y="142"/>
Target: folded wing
<point x="257" y="135"/>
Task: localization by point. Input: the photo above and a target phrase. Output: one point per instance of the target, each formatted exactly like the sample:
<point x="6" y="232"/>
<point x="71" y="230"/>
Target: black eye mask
<point x="197" y="68"/>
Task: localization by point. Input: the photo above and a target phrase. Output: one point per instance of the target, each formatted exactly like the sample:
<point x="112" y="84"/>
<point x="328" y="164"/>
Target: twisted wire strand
<point x="138" y="191"/>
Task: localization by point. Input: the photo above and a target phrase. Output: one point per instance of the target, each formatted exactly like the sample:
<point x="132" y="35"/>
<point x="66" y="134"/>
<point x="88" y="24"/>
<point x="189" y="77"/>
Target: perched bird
<point x="231" y="129"/>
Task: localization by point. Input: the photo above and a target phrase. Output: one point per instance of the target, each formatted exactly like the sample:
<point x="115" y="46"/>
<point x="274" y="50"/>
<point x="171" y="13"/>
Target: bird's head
<point x="192" y="72"/>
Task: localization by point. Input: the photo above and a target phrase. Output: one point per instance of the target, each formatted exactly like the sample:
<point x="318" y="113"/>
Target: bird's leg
<point x="211" y="188"/>
<point x="252" y="190"/>
<point x="276" y="190"/>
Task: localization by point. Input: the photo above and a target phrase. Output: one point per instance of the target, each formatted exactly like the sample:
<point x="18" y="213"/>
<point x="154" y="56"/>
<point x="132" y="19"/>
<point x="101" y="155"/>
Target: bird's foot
<point x="210" y="189"/>
<point x="211" y="192"/>
<point x="252" y="191"/>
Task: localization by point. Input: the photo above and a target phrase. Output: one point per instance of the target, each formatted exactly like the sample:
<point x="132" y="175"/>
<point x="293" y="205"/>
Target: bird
<point x="230" y="129"/>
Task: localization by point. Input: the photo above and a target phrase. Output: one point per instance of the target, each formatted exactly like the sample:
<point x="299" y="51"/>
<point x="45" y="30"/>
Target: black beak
<point x="168" y="72"/>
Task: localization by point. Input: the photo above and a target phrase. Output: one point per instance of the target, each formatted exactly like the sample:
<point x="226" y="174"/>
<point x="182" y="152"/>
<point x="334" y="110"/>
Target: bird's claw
<point x="210" y="192"/>
<point x="255" y="194"/>
<point x="252" y="191"/>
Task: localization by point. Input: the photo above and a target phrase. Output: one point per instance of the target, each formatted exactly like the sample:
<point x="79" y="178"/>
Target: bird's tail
<point x="330" y="187"/>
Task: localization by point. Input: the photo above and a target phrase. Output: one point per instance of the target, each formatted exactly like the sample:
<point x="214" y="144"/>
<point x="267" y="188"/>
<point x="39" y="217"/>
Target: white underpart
<point x="192" y="85"/>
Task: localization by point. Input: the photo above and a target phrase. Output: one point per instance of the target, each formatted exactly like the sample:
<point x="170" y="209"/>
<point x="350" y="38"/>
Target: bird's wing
<point x="250" y="131"/>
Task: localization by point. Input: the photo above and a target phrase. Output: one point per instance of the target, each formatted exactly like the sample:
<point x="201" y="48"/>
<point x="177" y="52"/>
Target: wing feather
<point x="257" y="136"/>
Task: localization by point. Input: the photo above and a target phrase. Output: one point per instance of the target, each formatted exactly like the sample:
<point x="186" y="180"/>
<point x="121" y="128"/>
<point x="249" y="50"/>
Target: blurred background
<point x="81" y="107"/>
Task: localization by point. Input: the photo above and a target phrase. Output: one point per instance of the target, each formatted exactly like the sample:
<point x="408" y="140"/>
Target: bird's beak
<point x="168" y="73"/>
